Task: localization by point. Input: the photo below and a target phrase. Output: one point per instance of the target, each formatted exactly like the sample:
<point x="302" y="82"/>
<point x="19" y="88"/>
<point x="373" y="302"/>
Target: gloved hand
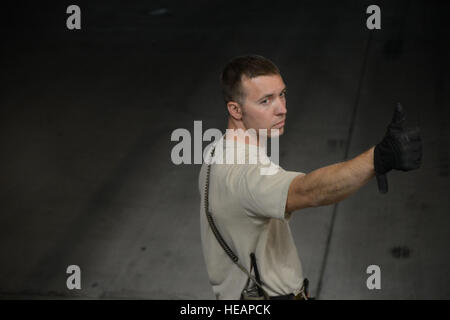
<point x="400" y="149"/>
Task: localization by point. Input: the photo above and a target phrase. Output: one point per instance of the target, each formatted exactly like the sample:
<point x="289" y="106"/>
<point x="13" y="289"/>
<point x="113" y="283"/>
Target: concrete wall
<point x="86" y="118"/>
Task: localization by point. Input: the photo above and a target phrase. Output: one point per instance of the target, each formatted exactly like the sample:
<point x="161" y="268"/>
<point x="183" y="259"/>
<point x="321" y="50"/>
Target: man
<point x="251" y="210"/>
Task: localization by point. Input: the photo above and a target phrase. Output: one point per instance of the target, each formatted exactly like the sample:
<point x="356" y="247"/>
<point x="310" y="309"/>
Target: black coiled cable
<point x="219" y="238"/>
<point x="214" y="229"/>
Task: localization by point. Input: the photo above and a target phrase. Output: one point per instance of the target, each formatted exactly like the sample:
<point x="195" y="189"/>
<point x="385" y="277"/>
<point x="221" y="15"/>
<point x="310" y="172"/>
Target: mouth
<point x="279" y="124"/>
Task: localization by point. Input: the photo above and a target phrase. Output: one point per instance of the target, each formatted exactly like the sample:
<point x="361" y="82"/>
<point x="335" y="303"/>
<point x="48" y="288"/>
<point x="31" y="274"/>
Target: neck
<point x="235" y="125"/>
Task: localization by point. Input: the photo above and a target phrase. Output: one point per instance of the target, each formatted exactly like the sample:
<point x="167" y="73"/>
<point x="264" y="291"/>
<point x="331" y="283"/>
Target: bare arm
<point x="330" y="184"/>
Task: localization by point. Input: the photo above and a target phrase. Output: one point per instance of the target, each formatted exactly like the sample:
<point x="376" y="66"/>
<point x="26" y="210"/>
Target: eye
<point x="283" y="94"/>
<point x="265" y="101"/>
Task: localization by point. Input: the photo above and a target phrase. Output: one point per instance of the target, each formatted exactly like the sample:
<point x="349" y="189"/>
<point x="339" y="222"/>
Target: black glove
<point x="400" y="149"/>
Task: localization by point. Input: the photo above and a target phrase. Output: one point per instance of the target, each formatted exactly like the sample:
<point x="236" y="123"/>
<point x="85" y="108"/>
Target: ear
<point x="235" y="110"/>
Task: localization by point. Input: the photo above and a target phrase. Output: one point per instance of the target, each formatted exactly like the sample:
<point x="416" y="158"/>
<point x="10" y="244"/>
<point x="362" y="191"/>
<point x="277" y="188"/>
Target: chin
<point x="280" y="132"/>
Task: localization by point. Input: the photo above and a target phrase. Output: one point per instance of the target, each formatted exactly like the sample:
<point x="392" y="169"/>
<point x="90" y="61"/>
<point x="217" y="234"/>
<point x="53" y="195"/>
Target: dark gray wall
<point x="86" y="119"/>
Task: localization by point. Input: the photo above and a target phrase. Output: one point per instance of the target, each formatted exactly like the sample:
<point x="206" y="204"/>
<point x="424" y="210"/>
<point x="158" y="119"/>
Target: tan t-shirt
<point x="249" y="211"/>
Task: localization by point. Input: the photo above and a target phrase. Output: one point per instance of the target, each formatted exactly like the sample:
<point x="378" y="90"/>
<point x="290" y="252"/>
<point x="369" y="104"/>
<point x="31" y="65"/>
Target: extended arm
<point x="400" y="149"/>
<point x="330" y="184"/>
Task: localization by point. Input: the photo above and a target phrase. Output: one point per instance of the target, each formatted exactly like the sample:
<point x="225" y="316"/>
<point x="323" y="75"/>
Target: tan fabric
<point x="249" y="211"/>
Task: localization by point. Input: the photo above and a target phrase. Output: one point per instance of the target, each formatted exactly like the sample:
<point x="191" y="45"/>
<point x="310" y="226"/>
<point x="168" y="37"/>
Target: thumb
<point x="398" y="120"/>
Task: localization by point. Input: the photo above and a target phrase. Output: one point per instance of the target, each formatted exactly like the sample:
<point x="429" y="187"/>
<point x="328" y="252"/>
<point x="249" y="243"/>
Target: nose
<point x="281" y="107"/>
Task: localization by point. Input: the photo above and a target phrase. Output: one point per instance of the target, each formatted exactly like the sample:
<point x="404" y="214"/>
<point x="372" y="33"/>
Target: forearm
<point x="334" y="183"/>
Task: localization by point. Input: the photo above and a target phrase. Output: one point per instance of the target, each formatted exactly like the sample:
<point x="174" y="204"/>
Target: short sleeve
<point x="264" y="195"/>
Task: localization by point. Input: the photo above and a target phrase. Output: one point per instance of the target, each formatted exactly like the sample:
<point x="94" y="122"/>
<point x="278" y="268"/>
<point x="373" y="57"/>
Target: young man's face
<point x="264" y="106"/>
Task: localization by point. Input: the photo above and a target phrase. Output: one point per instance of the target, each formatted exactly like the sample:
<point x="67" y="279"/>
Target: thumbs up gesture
<point x="400" y="149"/>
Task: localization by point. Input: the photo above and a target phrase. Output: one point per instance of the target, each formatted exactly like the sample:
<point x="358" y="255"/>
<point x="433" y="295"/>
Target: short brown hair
<point x="250" y="66"/>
